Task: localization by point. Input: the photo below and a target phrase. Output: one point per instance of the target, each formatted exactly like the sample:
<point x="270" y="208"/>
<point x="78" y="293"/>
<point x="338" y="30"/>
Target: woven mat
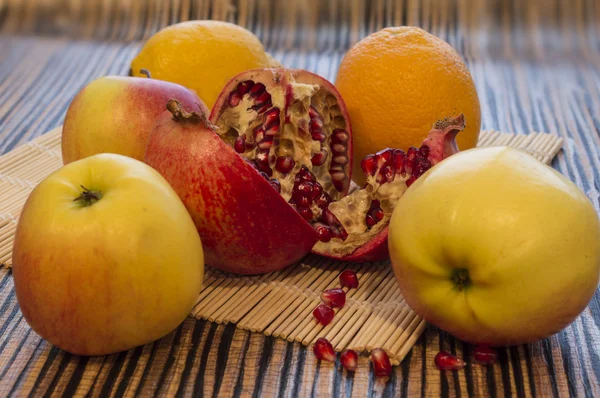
<point x="279" y="303"/>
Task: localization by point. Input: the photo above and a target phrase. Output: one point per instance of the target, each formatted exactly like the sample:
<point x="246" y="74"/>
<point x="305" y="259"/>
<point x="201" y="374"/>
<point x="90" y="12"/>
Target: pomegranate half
<point x="245" y="225"/>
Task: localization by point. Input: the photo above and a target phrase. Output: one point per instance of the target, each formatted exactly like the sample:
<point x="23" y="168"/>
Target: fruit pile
<point x="212" y="151"/>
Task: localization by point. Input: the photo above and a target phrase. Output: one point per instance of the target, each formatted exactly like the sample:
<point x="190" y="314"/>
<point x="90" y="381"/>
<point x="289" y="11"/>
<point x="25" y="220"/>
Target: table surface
<point x="537" y="68"/>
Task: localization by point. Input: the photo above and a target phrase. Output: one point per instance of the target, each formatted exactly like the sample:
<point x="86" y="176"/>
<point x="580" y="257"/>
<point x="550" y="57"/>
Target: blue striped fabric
<point x="536" y="65"/>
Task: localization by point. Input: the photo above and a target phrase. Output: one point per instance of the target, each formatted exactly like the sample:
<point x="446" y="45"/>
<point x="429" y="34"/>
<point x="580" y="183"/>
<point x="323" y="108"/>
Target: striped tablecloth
<point x="536" y="65"/>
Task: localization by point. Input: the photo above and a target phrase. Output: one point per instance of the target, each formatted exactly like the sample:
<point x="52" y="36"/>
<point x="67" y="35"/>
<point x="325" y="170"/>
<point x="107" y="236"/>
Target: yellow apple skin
<point x="115" y="114"/>
<point x="527" y="236"/>
<point x="121" y="272"/>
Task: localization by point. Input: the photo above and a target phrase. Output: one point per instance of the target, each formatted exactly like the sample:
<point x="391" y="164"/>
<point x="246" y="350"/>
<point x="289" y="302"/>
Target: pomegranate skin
<point x="245" y="225"/>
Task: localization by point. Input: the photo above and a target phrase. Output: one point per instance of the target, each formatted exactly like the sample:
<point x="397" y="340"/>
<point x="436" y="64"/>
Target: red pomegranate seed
<point x="266" y="142"/>
<point x="324" y="350"/>
<point x="377" y="214"/>
<point x="341" y="160"/>
<point x="410" y="159"/>
<point x="306" y="213"/>
<point x="424" y="151"/>
<point x="369" y="165"/>
<point x="315" y="124"/>
<point x="275" y="184"/>
<point x="324" y="314"/>
<point x="370" y="220"/>
<point x="323" y="200"/>
<point x="240" y="144"/>
<point x="234" y="99"/>
<point x="349" y="279"/>
<point x="381" y="363"/>
<point x="271" y="117"/>
<point x="263" y="98"/>
<point x="334" y="298"/>
<point x="485" y="355"/>
<point x="319" y="158"/>
<point x="305" y="188"/>
<point x="446" y="361"/>
<point x="317" y="190"/>
<point x="339" y="149"/>
<point x="383" y="156"/>
<point x="349" y="360"/>
<point x="339" y="136"/>
<point x="312" y="112"/>
<point x="257" y="89"/>
<point x="317" y="135"/>
<point x="303" y="201"/>
<point x="324" y="232"/>
<point x="285" y="164"/>
<point x="398" y="156"/>
<point x="245" y="86"/>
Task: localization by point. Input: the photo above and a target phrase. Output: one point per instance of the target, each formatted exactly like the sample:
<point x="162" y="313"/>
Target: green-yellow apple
<point x="496" y="247"/>
<point x="115" y="114"/>
<point x="105" y="257"/>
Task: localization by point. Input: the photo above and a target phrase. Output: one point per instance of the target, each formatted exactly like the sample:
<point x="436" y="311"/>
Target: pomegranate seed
<point x="285" y="164"/>
<point x="446" y="361"/>
<point x="266" y="143"/>
<point x="245" y="86"/>
<point x="381" y="363"/>
<point x="383" y="156"/>
<point x="250" y="145"/>
<point x="315" y="124"/>
<point x="410" y="159"/>
<point x="369" y="165"/>
<point x="341" y="160"/>
<point x="323" y="200"/>
<point x="388" y="173"/>
<point x="398" y="156"/>
<point x="264" y="97"/>
<point x="339" y="149"/>
<point x="485" y="355"/>
<point x="272" y="130"/>
<point x="370" y="220"/>
<point x="424" y="151"/>
<point x="318" y="135"/>
<point x="339" y="136"/>
<point x="324" y="314"/>
<point x="234" y="99"/>
<point x="377" y="214"/>
<point x="324" y="232"/>
<point x="259" y="133"/>
<point x="335" y="298"/>
<point x="275" y="184"/>
<point x="240" y="144"/>
<point x="319" y="158"/>
<point x="303" y="201"/>
<point x="304" y="175"/>
<point x="257" y="89"/>
<point x="304" y="188"/>
<point x="317" y="190"/>
<point x="349" y="279"/>
<point x="410" y="180"/>
<point x="306" y="213"/>
<point x="262" y="107"/>
<point x="312" y="112"/>
<point x="349" y="360"/>
<point x="324" y="350"/>
<point x="271" y="117"/>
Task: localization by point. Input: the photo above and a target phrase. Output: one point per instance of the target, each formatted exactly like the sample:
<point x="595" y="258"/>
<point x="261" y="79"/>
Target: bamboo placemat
<point x="280" y="303"/>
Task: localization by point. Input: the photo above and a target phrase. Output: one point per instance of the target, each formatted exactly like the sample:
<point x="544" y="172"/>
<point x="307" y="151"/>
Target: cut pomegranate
<point x="381" y="363"/>
<point x="292" y="120"/>
<point x="323" y="314"/>
<point x="359" y="221"/>
<point x="349" y="279"/>
<point x="349" y="360"/>
<point x="446" y="361"/>
<point x="334" y="298"/>
<point x="324" y="350"/>
<point x="485" y="355"/>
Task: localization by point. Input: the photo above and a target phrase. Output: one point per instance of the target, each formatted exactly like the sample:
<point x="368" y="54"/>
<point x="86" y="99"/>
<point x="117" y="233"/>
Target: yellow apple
<point x="105" y="257"/>
<point x="495" y="247"/>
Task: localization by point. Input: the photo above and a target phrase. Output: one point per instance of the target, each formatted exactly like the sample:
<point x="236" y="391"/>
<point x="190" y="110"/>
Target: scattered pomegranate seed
<point x="349" y="279"/>
<point x="324" y="314"/>
<point x="446" y="361"/>
<point x="349" y="360"/>
<point x="324" y="350"/>
<point x="485" y="355"/>
<point x="324" y="232"/>
<point x="334" y="298"/>
<point x="381" y="363"/>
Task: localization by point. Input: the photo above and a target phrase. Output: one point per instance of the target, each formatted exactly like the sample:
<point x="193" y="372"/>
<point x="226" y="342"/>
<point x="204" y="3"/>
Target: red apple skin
<point x="245" y="225"/>
<point x="115" y="114"/>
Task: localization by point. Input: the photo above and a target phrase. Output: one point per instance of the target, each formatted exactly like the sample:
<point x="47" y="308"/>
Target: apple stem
<point x="181" y="115"/>
<point x="460" y="277"/>
<point x="88" y="197"/>
<point x="146" y="72"/>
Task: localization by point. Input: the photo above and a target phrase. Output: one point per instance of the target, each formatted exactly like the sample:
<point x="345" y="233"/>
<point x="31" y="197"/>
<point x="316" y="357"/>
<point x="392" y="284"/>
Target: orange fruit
<point x="397" y="83"/>
<point x="201" y="55"/>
